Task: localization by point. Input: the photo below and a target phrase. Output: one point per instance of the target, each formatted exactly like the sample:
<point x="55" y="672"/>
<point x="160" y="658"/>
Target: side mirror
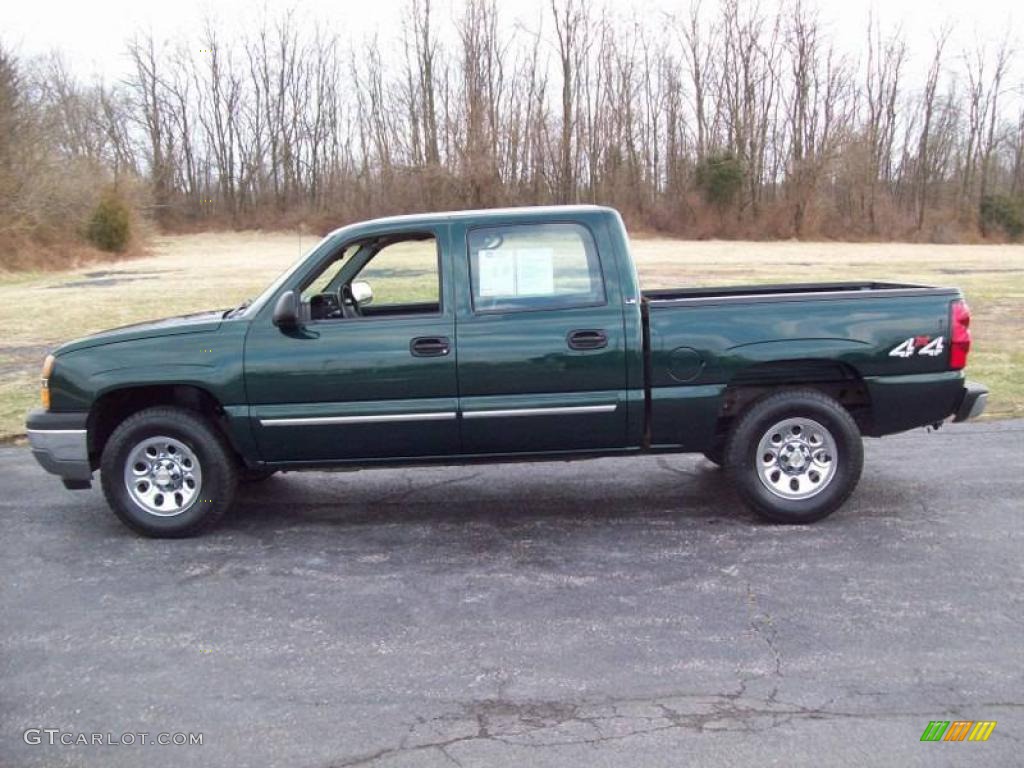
<point x="362" y="293"/>
<point x="286" y="311"/>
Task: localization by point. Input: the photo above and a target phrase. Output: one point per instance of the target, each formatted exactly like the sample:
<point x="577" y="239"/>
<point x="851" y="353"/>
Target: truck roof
<point x="525" y="212"/>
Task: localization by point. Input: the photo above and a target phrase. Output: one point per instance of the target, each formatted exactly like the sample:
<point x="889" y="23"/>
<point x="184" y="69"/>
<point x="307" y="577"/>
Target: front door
<point x="541" y="344"/>
<point x="370" y="379"/>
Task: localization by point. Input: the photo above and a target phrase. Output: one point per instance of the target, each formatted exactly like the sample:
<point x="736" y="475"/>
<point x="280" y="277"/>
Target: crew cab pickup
<point x="492" y="336"/>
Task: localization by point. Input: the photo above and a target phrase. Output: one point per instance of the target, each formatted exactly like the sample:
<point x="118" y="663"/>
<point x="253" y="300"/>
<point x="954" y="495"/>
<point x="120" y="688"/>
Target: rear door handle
<point x="430" y="346"/>
<point x="588" y="339"/>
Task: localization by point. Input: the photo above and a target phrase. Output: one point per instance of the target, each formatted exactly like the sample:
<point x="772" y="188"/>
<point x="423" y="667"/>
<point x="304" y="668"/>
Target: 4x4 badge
<point x="920" y="345"/>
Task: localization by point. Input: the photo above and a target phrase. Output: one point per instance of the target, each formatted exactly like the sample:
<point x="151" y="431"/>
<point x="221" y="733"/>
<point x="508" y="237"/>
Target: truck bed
<point x="702" y="341"/>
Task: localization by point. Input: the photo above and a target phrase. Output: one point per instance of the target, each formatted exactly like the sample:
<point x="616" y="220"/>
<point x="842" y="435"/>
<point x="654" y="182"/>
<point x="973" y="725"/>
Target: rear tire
<point x="795" y="456"/>
<point x="167" y="473"/>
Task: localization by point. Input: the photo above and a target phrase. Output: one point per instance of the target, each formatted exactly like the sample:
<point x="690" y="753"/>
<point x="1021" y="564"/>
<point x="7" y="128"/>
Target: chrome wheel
<point x="796" y="459"/>
<point x="163" y="476"/>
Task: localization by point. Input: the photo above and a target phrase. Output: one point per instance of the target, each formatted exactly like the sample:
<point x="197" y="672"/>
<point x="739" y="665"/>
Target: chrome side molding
<point x="568" y="410"/>
<point x="369" y="419"/>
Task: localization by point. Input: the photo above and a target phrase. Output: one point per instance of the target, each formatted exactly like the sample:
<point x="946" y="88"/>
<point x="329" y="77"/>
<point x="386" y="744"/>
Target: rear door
<point x="540" y="340"/>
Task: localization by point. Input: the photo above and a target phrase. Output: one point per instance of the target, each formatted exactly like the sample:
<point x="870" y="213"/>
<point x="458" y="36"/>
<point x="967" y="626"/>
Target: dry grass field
<point x="193" y="272"/>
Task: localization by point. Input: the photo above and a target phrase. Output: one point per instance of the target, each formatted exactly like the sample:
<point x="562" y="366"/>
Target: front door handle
<point x="430" y="346"/>
<point x="588" y="339"/>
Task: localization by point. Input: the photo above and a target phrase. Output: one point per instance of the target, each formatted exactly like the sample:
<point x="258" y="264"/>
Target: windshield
<point x="251" y="307"/>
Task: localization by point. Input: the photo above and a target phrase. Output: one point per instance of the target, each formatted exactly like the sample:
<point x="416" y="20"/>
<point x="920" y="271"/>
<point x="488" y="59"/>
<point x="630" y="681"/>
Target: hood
<point x="200" y="322"/>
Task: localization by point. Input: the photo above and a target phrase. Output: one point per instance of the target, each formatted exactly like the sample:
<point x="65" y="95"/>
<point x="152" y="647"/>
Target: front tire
<point x="795" y="456"/>
<point x="167" y="473"/>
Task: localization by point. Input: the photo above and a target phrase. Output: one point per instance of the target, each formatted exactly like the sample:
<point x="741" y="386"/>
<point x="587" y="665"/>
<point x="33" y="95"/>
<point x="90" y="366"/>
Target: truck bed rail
<point x="790" y="292"/>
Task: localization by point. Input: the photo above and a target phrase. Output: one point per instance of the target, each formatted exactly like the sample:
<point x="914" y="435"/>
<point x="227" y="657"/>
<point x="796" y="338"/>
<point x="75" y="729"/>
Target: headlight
<point x="44" y="382"/>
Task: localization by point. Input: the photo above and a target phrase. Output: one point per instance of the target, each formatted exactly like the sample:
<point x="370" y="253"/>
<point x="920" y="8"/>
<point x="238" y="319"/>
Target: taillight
<point x="959" y="334"/>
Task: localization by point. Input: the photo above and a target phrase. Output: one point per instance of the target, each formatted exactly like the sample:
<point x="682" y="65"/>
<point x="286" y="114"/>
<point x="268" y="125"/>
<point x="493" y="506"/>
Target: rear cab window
<point x="525" y="267"/>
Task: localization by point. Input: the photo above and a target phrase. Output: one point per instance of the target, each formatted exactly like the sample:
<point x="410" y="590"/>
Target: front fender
<point x="212" y="361"/>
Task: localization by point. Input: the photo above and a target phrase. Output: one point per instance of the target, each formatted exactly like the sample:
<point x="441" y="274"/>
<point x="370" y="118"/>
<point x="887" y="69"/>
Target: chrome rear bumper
<point x="973" y="403"/>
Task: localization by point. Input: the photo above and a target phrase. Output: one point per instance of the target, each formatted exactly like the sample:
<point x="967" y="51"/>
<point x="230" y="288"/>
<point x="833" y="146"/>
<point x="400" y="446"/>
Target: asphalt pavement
<point x="615" y="612"/>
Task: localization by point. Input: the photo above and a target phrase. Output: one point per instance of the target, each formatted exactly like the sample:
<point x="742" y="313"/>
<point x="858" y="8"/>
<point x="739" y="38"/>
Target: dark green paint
<point x="858" y="332"/>
<point x="363" y="367"/>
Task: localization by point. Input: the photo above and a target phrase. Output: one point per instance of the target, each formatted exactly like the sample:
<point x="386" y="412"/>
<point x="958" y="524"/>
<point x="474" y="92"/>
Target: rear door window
<point x="534" y="266"/>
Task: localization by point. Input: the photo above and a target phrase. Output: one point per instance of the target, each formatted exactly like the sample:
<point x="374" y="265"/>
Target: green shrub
<point x="1003" y="212"/>
<point x="110" y="226"/>
<point x="719" y="178"/>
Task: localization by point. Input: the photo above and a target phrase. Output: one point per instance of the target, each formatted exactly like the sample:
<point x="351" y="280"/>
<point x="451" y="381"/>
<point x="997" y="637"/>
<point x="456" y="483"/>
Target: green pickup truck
<point x="494" y="336"/>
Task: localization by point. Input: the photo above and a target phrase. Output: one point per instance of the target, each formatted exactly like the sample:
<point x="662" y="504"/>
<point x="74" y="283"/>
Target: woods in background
<point x="731" y="120"/>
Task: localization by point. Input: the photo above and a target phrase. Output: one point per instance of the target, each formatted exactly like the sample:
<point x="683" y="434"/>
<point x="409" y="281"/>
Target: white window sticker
<point x="535" y="272"/>
<point x="511" y="272"/>
<point x="497" y="273"/>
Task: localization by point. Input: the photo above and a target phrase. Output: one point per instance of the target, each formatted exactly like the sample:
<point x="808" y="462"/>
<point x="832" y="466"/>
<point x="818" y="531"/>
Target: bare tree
<point x="571" y="27"/>
<point x="291" y="122"/>
<point x="151" y="112"/>
<point x="700" y="57"/>
<point x="1002" y="62"/>
<point x="928" y="106"/>
<point x="886" y="59"/>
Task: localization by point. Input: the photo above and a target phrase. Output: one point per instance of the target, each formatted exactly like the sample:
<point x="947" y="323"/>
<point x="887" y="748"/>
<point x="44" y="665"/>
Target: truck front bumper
<point x="60" y="444"/>
<point x="973" y="402"/>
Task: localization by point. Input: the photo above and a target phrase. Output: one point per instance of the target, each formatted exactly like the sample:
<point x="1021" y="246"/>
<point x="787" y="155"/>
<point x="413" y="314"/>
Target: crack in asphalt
<point x="517" y="724"/>
<point x="764" y="627"/>
<point x="543" y="724"/>
<point x="413" y="487"/>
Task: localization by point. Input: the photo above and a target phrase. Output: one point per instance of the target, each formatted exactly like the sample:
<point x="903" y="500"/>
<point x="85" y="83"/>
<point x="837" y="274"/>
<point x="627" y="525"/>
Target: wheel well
<point x="114" y="407"/>
<point x="838" y="380"/>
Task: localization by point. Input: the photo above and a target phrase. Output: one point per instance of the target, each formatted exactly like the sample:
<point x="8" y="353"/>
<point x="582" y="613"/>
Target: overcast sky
<point x="92" y="35"/>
